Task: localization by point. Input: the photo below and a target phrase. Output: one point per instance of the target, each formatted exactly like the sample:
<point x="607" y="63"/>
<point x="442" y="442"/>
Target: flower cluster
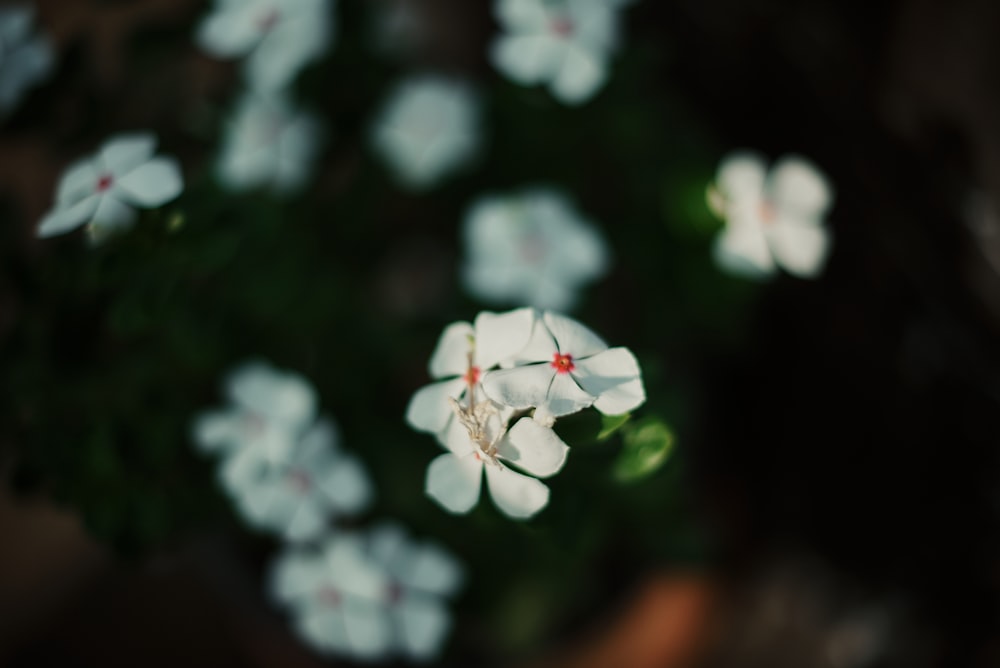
<point x="102" y="192"/>
<point x="530" y="248"/>
<point x="503" y="382"/>
<point x="773" y="217"/>
<point x="427" y="127"/>
<point x="25" y="58"/>
<point x="565" y="44"/>
<point x="369" y="595"/>
<point x="269" y="142"/>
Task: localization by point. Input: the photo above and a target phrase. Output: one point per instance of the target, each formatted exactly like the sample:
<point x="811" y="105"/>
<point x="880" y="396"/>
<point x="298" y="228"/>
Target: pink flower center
<point x="562" y="363"/>
<point x="104" y="182"/>
<point x="473" y="375"/>
<point x="300" y="480"/>
<point x="394" y="593"/>
<point x="767" y="213"/>
<point x="330" y="597"/>
<point x="268" y="21"/>
<point x="561" y="26"/>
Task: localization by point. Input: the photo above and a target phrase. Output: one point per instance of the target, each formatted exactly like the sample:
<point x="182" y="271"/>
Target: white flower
<point x="369" y="597"/>
<point x="298" y="496"/>
<point x="268" y="143"/>
<point x="564" y="43"/>
<point x="278" y="37"/>
<point x="271" y="410"/>
<point x="566" y="368"/>
<point x="24" y="59"/>
<point x="463" y="354"/>
<point x="428" y="127"/>
<point x="773" y="218"/>
<point x="454" y="479"/>
<point x="530" y="248"/>
<point x="103" y="190"/>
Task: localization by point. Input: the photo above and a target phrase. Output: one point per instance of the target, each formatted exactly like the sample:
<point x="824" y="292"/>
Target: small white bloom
<point x="463" y="354"/>
<point x="428" y="127"/>
<point x="369" y="597"/>
<point x="564" y="43"/>
<point x="268" y="143"/>
<point x="25" y="59"/>
<point x="566" y="368"/>
<point x="530" y="248"/>
<point x="278" y="37"/>
<point x="298" y="496"/>
<point x="271" y="410"/>
<point x="102" y="191"/>
<point x="773" y="218"/>
<point x="454" y="479"/>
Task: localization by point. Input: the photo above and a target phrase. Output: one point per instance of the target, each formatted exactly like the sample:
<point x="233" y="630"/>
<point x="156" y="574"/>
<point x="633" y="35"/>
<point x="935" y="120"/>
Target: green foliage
<point x="648" y="445"/>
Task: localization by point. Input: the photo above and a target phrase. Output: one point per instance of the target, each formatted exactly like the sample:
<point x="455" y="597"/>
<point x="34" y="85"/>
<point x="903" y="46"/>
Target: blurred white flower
<point x="530" y="248"/>
<point x="564" y="369"/>
<point x="454" y="479"/>
<point x="298" y="496"/>
<point x="25" y="59"/>
<point x="563" y="43"/>
<point x="269" y="144"/>
<point x="278" y="37"/>
<point x="102" y="191"/>
<point x="270" y="412"/>
<point x="369" y="597"/>
<point x="773" y="218"/>
<point x="427" y="127"/>
<point x="463" y="354"/>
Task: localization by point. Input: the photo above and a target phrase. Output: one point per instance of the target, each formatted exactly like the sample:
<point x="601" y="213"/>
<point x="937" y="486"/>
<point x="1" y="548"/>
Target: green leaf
<point x="648" y="445"/>
<point x="612" y="423"/>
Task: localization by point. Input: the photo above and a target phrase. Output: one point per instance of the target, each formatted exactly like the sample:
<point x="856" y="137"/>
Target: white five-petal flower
<point x="25" y="59"/>
<point x="427" y="128"/>
<point x="369" y="597"/>
<point x="271" y="410"/>
<point x="268" y="143"/>
<point x="298" y="496"/>
<point x="773" y="218"/>
<point x="101" y="191"/>
<point x="530" y="248"/>
<point x="565" y="368"/>
<point x="564" y="43"/>
<point x="277" y="37"/>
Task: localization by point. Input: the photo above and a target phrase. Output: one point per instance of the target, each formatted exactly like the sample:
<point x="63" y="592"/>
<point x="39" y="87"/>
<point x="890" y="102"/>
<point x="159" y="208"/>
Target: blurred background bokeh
<point x="832" y="498"/>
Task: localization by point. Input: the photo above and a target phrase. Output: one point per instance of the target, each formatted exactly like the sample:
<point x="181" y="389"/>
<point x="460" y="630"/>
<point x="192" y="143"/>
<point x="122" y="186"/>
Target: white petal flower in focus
<point x="427" y="128"/>
<point x="369" y="596"/>
<point x="774" y="218"/>
<point x="562" y="43"/>
<point x="298" y="497"/>
<point x="25" y="59"/>
<point x="101" y="192"/>
<point x="564" y="369"/>
<point x="271" y="410"/>
<point x="277" y="37"/>
<point x="268" y="144"/>
<point x="530" y="248"/>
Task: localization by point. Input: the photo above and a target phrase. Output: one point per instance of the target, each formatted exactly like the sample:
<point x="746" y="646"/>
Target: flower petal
<point x="295" y="575"/>
<point x="323" y="628"/>
<point x="287" y="397"/>
<point x="565" y="396"/>
<point x="429" y="408"/>
<point x="451" y="354"/>
<point x="572" y="337"/>
<point x="520" y="387"/>
<point x="307" y="521"/>
<point x="500" y="336"/>
<point x="518" y="496"/>
<point x="526" y="59"/>
<point x="742" y="249"/>
<point x="123" y="153"/>
<point x="534" y="448"/>
<point x="216" y="431"/>
<point x="346" y="484"/>
<point x="423" y="624"/>
<point x="78" y="181"/>
<point x="454" y="482"/>
<point x="112" y="216"/>
<point x="741" y="176"/>
<point x="232" y="30"/>
<point x="151" y="184"/>
<point x="62" y="220"/>
<point x="369" y="632"/>
<point x="798" y="189"/>
<point x="580" y="75"/>
<point x="612" y="376"/>
<point x="799" y="246"/>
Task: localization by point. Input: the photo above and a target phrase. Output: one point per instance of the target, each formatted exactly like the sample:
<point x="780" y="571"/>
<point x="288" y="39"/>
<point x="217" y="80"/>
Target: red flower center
<point x="562" y="363"/>
<point x="104" y="182"/>
<point x="473" y="375"/>
<point x="394" y="592"/>
<point x="767" y="213"/>
<point x="329" y="596"/>
<point x="300" y="481"/>
<point x="561" y="26"/>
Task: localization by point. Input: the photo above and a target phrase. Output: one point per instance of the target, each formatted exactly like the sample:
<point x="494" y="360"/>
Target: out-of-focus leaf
<point x="611" y="424"/>
<point x="648" y="445"/>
